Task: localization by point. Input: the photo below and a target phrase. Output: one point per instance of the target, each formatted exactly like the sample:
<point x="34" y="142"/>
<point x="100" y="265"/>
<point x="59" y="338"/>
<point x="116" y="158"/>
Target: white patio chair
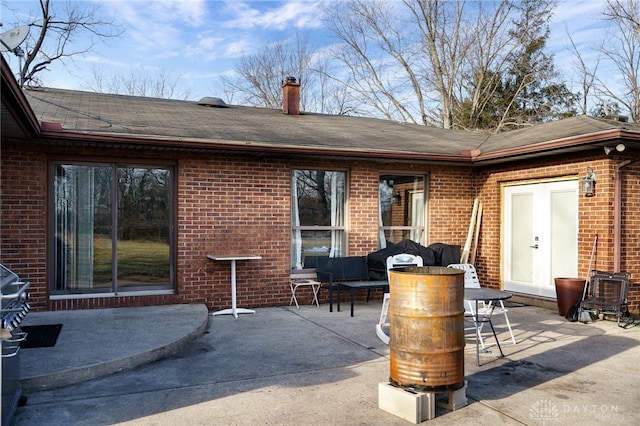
<point x="471" y="281"/>
<point x="304" y="279"/>
<point x="398" y="260"/>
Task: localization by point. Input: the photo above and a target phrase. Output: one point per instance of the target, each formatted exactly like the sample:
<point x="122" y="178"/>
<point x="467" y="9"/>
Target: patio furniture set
<point x="351" y="273"/>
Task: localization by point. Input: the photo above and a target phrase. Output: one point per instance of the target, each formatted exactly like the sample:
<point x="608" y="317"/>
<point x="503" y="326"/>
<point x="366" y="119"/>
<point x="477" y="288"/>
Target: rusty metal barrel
<point x="426" y="318"/>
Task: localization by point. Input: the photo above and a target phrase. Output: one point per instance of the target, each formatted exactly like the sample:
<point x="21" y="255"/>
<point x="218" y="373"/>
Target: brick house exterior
<point x="596" y="214"/>
<point x="234" y="197"/>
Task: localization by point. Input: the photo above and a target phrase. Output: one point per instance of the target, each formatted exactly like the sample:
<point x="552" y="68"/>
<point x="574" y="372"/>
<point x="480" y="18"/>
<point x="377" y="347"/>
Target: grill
<point x="13" y="310"/>
<point x="607" y="294"/>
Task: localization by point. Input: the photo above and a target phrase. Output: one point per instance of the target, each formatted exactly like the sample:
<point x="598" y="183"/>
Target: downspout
<point x="617" y="215"/>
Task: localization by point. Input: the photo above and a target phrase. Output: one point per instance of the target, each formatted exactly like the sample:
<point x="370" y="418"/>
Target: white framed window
<point x="402" y="211"/>
<point x="317" y="216"/>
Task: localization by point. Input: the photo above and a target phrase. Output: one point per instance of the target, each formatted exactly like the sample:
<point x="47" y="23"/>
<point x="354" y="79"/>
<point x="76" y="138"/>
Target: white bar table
<point x="234" y="310"/>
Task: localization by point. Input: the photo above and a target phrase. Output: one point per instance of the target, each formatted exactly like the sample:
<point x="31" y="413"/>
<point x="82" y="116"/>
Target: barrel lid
<point x="428" y="270"/>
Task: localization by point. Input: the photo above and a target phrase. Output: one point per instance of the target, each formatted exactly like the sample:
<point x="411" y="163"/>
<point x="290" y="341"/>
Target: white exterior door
<point x="540" y="236"/>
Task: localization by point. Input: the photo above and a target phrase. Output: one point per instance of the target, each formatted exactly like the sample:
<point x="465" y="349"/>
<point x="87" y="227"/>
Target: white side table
<point x="234" y="310"/>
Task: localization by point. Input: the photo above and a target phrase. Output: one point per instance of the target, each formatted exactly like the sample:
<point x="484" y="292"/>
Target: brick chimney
<point x="291" y="96"/>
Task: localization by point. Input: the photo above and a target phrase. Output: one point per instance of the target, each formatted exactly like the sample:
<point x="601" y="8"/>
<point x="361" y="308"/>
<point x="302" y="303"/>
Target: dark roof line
<point x="75" y="117"/>
<point x="54" y="134"/>
<point x="15" y="102"/>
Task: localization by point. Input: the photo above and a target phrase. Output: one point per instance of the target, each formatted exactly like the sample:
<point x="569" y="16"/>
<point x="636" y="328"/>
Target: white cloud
<point x="157" y="26"/>
<point x="576" y="11"/>
<point x="209" y="42"/>
<point x="294" y="14"/>
<point x="175" y="12"/>
<point x="190" y="12"/>
<point x="582" y="20"/>
<point x="209" y="46"/>
<point x="237" y="48"/>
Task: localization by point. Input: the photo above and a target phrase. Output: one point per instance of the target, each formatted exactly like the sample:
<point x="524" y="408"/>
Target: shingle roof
<point x="563" y="129"/>
<point x="186" y="120"/>
<point x="187" y="124"/>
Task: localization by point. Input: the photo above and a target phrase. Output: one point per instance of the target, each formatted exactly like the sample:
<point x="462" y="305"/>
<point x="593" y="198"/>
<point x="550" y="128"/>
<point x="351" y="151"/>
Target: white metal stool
<point x="298" y="280"/>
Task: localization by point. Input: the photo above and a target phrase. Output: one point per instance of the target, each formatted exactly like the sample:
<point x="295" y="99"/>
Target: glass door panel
<point x="522" y="232"/>
<point x="83" y="245"/>
<point x="143" y="227"/>
<point x="540" y="226"/>
<point x="564" y="234"/>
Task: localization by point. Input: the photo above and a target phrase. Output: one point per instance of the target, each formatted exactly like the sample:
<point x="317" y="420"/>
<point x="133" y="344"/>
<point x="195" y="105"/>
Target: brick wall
<point x="450" y="195"/>
<point x="24" y="225"/>
<point x="241" y="203"/>
<point x="490" y="184"/>
<point x="363" y="210"/>
<point x="630" y="252"/>
<point x="595" y="214"/>
<point x="23" y="221"/>
<point x="228" y="205"/>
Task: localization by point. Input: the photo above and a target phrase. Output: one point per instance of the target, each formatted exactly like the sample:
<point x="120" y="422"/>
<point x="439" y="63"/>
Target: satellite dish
<point x="13" y="38"/>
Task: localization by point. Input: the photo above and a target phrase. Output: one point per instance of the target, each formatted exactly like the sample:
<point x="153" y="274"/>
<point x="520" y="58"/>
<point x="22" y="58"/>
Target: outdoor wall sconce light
<point x="588" y="183"/>
<point x="396" y="198"/>
<point x="609" y="149"/>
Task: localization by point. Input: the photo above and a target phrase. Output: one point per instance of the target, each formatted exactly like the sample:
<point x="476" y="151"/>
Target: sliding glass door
<point x="112" y="228"/>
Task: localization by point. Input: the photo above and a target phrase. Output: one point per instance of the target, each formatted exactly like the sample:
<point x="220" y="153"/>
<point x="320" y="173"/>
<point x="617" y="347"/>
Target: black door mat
<point x="40" y="336"/>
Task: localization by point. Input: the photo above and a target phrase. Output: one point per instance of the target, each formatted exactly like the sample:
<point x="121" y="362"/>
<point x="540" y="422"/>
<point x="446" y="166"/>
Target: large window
<point x="402" y="209"/>
<point x="112" y="228"/>
<point x="317" y="216"/>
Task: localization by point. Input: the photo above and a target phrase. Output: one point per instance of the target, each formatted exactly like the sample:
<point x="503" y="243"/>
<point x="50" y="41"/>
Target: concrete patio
<point x="285" y="366"/>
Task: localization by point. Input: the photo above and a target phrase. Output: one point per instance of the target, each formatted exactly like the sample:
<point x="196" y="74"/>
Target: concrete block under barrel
<point x="426" y="339"/>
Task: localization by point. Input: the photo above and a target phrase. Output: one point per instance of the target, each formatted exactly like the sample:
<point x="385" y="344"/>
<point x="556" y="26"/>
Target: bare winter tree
<point x="627" y="11"/>
<point x="621" y="48"/>
<point x="328" y="93"/>
<point x="470" y="50"/>
<point x="258" y="77"/>
<point x="378" y="56"/>
<point x="138" y="82"/>
<point x="586" y="74"/>
<point x="487" y="52"/>
<point x="59" y="26"/>
<point x="453" y="64"/>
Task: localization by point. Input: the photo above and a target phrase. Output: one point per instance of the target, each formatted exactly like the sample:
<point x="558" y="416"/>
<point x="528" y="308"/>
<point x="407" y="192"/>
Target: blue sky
<point x="195" y="40"/>
<point x="199" y="40"/>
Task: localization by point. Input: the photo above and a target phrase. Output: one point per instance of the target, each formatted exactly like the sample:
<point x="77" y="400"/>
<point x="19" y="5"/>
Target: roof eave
<point x="558" y="146"/>
<point x="15" y="101"/>
<point x="55" y="135"/>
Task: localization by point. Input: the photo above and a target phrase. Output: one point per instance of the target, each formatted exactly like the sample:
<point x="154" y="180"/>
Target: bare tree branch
<point x="258" y="77"/>
<point x="60" y="25"/>
<point x="138" y="82"/>
<point x="367" y="28"/>
<point x="622" y="49"/>
<point x="586" y="73"/>
<point x="454" y="64"/>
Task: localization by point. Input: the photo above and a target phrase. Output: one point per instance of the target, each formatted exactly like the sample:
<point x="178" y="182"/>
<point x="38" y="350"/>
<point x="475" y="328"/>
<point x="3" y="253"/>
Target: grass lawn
<point x="139" y="262"/>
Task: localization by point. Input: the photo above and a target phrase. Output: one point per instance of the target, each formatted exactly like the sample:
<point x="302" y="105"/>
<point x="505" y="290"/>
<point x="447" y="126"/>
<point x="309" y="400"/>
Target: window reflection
<point x="84" y="217"/>
<point x="317" y="216"/>
<point x="401" y="209"/>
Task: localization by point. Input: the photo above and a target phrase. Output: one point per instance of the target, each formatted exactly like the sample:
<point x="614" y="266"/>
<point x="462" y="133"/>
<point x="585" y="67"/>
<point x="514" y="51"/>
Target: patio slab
<point x="285" y="366"/>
